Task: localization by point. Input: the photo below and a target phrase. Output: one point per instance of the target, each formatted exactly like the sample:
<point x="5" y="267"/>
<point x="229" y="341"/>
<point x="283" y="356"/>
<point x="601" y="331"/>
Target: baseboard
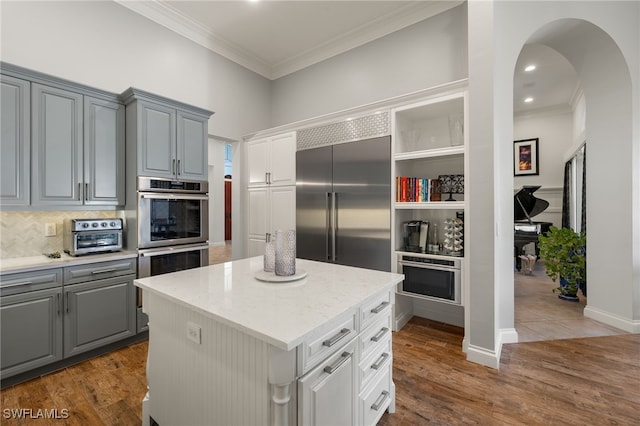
<point x="402" y="320"/>
<point x="631" y="326"/>
<point x="507" y="335"/>
<point x="217" y="243"/>
<point x="483" y="356"/>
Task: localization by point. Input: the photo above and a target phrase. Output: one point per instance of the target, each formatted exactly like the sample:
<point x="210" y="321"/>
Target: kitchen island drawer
<point x="373" y="336"/>
<point x="376" y="364"/>
<point x="374" y="309"/>
<point x="327" y="341"/>
<point x="30" y="281"/>
<point x="376" y="399"/>
<point x="100" y="270"/>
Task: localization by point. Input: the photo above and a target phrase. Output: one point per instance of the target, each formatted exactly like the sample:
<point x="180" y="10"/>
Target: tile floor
<point x="541" y="315"/>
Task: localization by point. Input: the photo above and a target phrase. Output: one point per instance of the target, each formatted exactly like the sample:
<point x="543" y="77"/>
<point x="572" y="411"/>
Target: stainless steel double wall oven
<point x="173" y="227"/>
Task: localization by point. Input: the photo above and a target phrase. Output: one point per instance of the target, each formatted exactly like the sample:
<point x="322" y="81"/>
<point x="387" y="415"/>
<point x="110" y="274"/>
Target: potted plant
<point x="563" y="252"/>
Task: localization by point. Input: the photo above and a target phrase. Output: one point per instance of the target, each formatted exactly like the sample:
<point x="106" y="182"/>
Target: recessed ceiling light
<point x="530" y="68"/>
<point x="528" y="100"/>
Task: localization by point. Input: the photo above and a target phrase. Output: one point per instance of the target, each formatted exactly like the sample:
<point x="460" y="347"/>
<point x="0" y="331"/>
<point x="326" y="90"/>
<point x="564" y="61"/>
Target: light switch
<point x="49" y="229"/>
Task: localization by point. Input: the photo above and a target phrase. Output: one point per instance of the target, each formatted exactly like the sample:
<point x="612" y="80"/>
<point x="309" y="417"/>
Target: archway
<point x="606" y="84"/>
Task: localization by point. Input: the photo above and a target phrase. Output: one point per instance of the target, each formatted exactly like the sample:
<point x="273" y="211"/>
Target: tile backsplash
<point x="22" y="232"/>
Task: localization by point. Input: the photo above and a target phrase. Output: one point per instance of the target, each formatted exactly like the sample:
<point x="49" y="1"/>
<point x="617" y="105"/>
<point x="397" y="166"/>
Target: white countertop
<point x="35" y="263"/>
<point x="282" y="314"/>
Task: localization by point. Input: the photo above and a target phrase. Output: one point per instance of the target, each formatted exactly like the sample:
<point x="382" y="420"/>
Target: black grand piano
<point x="525" y="207"/>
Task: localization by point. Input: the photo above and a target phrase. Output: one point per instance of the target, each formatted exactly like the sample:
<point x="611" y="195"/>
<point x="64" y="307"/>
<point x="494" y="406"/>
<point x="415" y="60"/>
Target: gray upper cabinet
<point x="15" y="126"/>
<point x="63" y="144"/>
<point x="167" y="138"/>
<point x="104" y="151"/>
<point x="56" y="126"/>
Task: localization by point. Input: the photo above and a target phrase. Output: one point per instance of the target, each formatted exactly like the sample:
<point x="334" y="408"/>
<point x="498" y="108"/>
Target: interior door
<point x="362" y="186"/>
<point x="313" y="186"/>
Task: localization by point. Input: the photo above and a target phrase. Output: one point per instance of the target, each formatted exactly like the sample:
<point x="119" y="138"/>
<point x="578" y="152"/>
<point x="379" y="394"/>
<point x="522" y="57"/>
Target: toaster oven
<point x="85" y="236"/>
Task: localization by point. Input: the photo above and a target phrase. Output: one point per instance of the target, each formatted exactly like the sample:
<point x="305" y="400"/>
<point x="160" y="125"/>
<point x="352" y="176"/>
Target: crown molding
<point x="164" y="14"/>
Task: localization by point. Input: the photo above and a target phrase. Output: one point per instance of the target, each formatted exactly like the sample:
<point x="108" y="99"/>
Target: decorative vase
<point x="269" y="254"/>
<point x="285" y="252"/>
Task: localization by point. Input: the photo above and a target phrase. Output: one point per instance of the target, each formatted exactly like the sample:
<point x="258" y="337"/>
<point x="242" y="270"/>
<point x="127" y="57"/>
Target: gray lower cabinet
<point x="98" y="313"/>
<point x="52" y="314"/>
<point x="77" y="149"/>
<point x="14" y="143"/>
<point x="30" y="330"/>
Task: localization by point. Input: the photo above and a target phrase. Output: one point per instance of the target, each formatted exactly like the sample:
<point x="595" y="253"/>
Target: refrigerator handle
<point x="328" y="230"/>
<point x="334" y="224"/>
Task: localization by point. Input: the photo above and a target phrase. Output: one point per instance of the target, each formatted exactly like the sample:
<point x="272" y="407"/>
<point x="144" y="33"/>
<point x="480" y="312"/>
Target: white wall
<point x="426" y="54"/>
<point x="216" y="192"/>
<point x="497" y="32"/>
<point x="105" y="45"/>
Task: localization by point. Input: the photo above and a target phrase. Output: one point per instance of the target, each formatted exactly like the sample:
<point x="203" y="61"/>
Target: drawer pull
<point x="379" y="308"/>
<point x="18" y="284"/>
<point x="335" y="339"/>
<point x="103" y="271"/>
<point x="380" y="401"/>
<point x="380" y="334"/>
<point x="376" y="365"/>
<point x="343" y="358"/>
<point x="58" y="302"/>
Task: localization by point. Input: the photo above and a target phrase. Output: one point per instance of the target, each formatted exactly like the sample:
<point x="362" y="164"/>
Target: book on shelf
<point x="412" y="189"/>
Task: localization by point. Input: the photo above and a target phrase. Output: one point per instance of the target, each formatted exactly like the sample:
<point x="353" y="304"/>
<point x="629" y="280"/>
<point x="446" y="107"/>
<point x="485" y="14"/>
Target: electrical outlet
<point x="194" y="332"/>
<point x="49" y="229"/>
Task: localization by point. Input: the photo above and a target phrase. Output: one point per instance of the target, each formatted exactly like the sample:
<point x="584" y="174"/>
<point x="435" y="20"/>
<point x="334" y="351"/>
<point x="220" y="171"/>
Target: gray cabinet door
<point x="14" y="143"/>
<point x="98" y="313"/>
<point x="157" y="140"/>
<point x="30" y="330"/>
<point x="56" y="126"/>
<point x="192" y="147"/>
<point x="104" y="152"/>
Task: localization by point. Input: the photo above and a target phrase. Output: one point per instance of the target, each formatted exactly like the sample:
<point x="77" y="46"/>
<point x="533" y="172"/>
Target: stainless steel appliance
<point x="172" y="212"/>
<point x="85" y="236"/>
<point x="173" y="229"/>
<point x="415" y="235"/>
<point x="430" y="277"/>
<point x="343" y="200"/>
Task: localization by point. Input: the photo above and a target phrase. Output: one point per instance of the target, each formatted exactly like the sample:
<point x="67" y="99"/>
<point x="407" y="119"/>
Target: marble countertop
<point x="35" y="263"/>
<point x="281" y="314"/>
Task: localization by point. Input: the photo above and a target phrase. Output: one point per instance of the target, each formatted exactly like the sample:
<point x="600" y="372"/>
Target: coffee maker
<point x="415" y="235"/>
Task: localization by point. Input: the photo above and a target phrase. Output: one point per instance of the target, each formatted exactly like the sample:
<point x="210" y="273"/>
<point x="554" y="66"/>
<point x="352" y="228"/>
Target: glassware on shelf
<point x="285" y="252"/>
<point x="433" y="240"/>
<point x="456" y="129"/>
<point x="411" y="139"/>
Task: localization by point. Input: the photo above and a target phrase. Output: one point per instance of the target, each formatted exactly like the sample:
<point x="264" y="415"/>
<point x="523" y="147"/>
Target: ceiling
<point x="277" y="38"/>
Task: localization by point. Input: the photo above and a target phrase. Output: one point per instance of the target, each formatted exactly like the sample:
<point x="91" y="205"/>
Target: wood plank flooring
<point x="587" y="381"/>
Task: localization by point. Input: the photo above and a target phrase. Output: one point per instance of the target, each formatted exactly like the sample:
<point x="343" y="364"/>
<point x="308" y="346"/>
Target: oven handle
<point x="164" y="196"/>
<point x="163" y="251"/>
<point x="428" y="266"/>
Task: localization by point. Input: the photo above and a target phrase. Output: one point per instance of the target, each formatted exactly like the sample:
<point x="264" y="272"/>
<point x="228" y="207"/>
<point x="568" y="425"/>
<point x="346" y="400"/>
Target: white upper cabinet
<point x="272" y="161"/>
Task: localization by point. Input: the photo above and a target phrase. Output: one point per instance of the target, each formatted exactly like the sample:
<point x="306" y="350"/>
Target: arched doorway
<point x="607" y="126"/>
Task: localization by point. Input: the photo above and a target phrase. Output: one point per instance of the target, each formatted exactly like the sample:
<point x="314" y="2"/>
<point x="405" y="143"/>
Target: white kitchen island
<point x="228" y="349"/>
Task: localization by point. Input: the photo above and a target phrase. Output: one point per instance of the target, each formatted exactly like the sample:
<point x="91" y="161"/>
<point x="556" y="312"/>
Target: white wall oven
<point x="431" y="277"/>
<point x="172" y="212"/>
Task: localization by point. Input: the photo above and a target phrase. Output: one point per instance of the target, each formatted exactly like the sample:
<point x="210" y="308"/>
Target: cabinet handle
<point x="173" y="166"/>
<point x="269" y="174"/>
<point x="379" y="308"/>
<point x="343" y="358"/>
<point x="86" y="191"/>
<point x="380" y="401"/>
<point x="380" y="334"/>
<point x="103" y="271"/>
<point x="376" y="365"/>
<point x="80" y="192"/>
<point x="179" y="168"/>
<point x="58" y="302"/>
<point x="335" y="339"/>
<point x="66" y="302"/>
<point x="18" y="284"/>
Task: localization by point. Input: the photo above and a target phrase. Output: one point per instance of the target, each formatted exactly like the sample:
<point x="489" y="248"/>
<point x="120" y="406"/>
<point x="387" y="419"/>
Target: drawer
<point x="327" y="341"/>
<point x="99" y="270"/>
<point x="376" y="399"/>
<point x="374" y="335"/>
<point x="377" y="307"/>
<point x="377" y="363"/>
<point x="30" y="281"/>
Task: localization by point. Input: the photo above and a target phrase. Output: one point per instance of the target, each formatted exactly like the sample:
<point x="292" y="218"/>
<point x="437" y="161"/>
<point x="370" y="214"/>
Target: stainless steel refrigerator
<point x="343" y="198"/>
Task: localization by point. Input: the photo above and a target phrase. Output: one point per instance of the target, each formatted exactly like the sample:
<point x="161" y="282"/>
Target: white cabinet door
<point x="258" y="159"/>
<point x="327" y="394"/>
<point x="283" y="160"/>
<point x="258" y="212"/>
<point x="282" y="208"/>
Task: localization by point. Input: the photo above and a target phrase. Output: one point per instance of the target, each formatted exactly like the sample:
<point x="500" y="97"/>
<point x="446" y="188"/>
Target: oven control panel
<point x="95" y="224"/>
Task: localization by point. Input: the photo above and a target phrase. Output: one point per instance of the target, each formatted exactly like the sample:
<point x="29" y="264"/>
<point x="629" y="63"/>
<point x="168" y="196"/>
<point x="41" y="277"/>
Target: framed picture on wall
<point x="525" y="157"/>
